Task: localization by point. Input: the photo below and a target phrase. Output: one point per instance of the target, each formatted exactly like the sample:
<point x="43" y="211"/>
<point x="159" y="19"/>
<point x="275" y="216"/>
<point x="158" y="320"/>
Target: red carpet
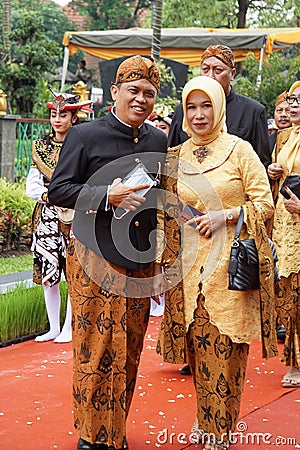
<point x="36" y="401"/>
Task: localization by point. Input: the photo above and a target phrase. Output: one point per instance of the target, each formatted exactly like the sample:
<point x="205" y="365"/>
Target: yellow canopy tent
<point x="180" y="44"/>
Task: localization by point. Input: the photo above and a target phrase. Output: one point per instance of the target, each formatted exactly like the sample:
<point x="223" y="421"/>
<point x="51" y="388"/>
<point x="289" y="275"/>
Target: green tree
<point x="55" y="21"/>
<point x="208" y="14"/>
<point x="34" y="56"/>
<point x="31" y="51"/>
<point x="279" y="13"/>
<point x="278" y="74"/>
<point x="109" y="14"/>
<point x="231" y="13"/>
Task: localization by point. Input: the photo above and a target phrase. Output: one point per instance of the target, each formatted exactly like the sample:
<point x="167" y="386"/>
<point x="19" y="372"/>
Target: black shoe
<point x="281" y="333"/>
<point x="85" y="445"/>
<point x="186" y="370"/>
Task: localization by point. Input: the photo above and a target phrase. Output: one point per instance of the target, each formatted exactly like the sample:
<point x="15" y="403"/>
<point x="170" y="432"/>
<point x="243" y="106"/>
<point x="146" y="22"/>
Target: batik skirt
<point x="218" y="367"/>
<point x="288" y="310"/>
<point x="108" y="330"/>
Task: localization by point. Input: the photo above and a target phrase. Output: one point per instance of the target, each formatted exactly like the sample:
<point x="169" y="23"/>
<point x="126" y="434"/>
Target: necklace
<point x="201" y="153"/>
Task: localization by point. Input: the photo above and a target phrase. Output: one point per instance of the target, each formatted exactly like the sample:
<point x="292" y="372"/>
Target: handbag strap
<point x="239" y="224"/>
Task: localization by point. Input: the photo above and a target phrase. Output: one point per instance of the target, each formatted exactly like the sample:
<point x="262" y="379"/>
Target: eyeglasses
<point x="293" y="99"/>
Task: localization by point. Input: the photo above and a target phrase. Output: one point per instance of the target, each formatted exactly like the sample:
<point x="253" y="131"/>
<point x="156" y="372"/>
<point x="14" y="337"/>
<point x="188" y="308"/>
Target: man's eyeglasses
<point x="293" y="99"/>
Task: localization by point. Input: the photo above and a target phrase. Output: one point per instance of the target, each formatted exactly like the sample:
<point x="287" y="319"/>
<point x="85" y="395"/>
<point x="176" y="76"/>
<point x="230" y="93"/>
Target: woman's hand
<point x="158" y="283"/>
<point x="292" y="205"/>
<point x="275" y="171"/>
<point x="209" y="222"/>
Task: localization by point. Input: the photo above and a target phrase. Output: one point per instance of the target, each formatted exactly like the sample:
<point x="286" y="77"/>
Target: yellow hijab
<point x="215" y="92"/>
<point x="293" y="143"/>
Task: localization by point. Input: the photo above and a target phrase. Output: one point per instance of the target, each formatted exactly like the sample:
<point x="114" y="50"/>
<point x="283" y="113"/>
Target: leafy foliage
<point x="35" y="53"/>
<point x="209" y="14"/>
<point x="23" y="312"/>
<point x="55" y="21"/>
<point x="15" y="264"/>
<point x="35" y="40"/>
<point x="270" y="13"/>
<point x="166" y="103"/>
<point x="109" y="14"/>
<point x="277" y="75"/>
<point x="15" y="216"/>
<point x="230" y="13"/>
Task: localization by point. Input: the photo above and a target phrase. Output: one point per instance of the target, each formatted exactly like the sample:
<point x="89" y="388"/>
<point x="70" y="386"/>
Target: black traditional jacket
<point x="92" y="156"/>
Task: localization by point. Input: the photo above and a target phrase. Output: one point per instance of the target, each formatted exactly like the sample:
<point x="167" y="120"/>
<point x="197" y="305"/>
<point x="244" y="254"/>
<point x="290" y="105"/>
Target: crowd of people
<point x="128" y="177"/>
<point x="285" y="234"/>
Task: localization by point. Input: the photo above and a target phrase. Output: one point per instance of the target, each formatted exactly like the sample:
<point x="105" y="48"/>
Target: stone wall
<point x="7" y="146"/>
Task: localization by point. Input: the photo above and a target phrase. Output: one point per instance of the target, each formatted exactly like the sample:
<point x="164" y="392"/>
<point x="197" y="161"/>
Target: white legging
<point x="53" y="302"/>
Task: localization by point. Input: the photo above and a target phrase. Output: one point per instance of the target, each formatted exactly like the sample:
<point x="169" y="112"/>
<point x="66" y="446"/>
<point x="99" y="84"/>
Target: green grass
<point x="15" y="264"/>
<point x="23" y="312"/>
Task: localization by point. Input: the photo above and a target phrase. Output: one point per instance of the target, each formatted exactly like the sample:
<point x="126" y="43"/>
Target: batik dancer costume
<point x="50" y="235"/>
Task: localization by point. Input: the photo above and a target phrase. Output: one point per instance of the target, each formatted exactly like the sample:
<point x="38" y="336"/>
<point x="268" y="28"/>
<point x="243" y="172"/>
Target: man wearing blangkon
<point x="245" y="117"/>
<point x="110" y="260"/>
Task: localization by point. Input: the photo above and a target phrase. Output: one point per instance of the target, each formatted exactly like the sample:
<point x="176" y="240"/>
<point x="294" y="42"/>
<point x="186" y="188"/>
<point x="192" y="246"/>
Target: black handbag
<point x="292" y="182"/>
<point x="243" y="266"/>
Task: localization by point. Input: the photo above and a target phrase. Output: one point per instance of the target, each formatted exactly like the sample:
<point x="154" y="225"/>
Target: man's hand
<point x="158" y="283"/>
<point x="275" y="171"/>
<point x="125" y="196"/>
<point x="292" y="205"/>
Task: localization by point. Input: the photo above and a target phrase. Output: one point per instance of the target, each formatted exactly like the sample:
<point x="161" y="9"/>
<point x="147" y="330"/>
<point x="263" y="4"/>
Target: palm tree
<point x="156" y="33"/>
<point x="6" y="29"/>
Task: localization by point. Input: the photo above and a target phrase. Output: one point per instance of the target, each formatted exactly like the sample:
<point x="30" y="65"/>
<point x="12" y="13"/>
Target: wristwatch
<point x="229" y="217"/>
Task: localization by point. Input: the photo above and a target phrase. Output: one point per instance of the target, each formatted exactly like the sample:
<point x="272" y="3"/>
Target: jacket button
<point x="137" y="223"/>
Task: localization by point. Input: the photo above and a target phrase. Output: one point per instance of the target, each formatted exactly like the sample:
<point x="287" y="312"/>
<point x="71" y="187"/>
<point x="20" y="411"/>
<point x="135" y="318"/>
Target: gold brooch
<point x="201" y="153"/>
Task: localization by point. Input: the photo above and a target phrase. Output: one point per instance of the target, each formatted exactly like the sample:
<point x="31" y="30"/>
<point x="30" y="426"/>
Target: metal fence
<point x="27" y="131"/>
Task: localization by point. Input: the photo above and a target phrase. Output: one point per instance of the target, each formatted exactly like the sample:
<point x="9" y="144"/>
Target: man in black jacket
<point x="245" y="117"/>
<point x="110" y="258"/>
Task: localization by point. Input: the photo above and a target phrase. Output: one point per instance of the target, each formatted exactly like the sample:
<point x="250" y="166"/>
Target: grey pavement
<point x="10" y="281"/>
